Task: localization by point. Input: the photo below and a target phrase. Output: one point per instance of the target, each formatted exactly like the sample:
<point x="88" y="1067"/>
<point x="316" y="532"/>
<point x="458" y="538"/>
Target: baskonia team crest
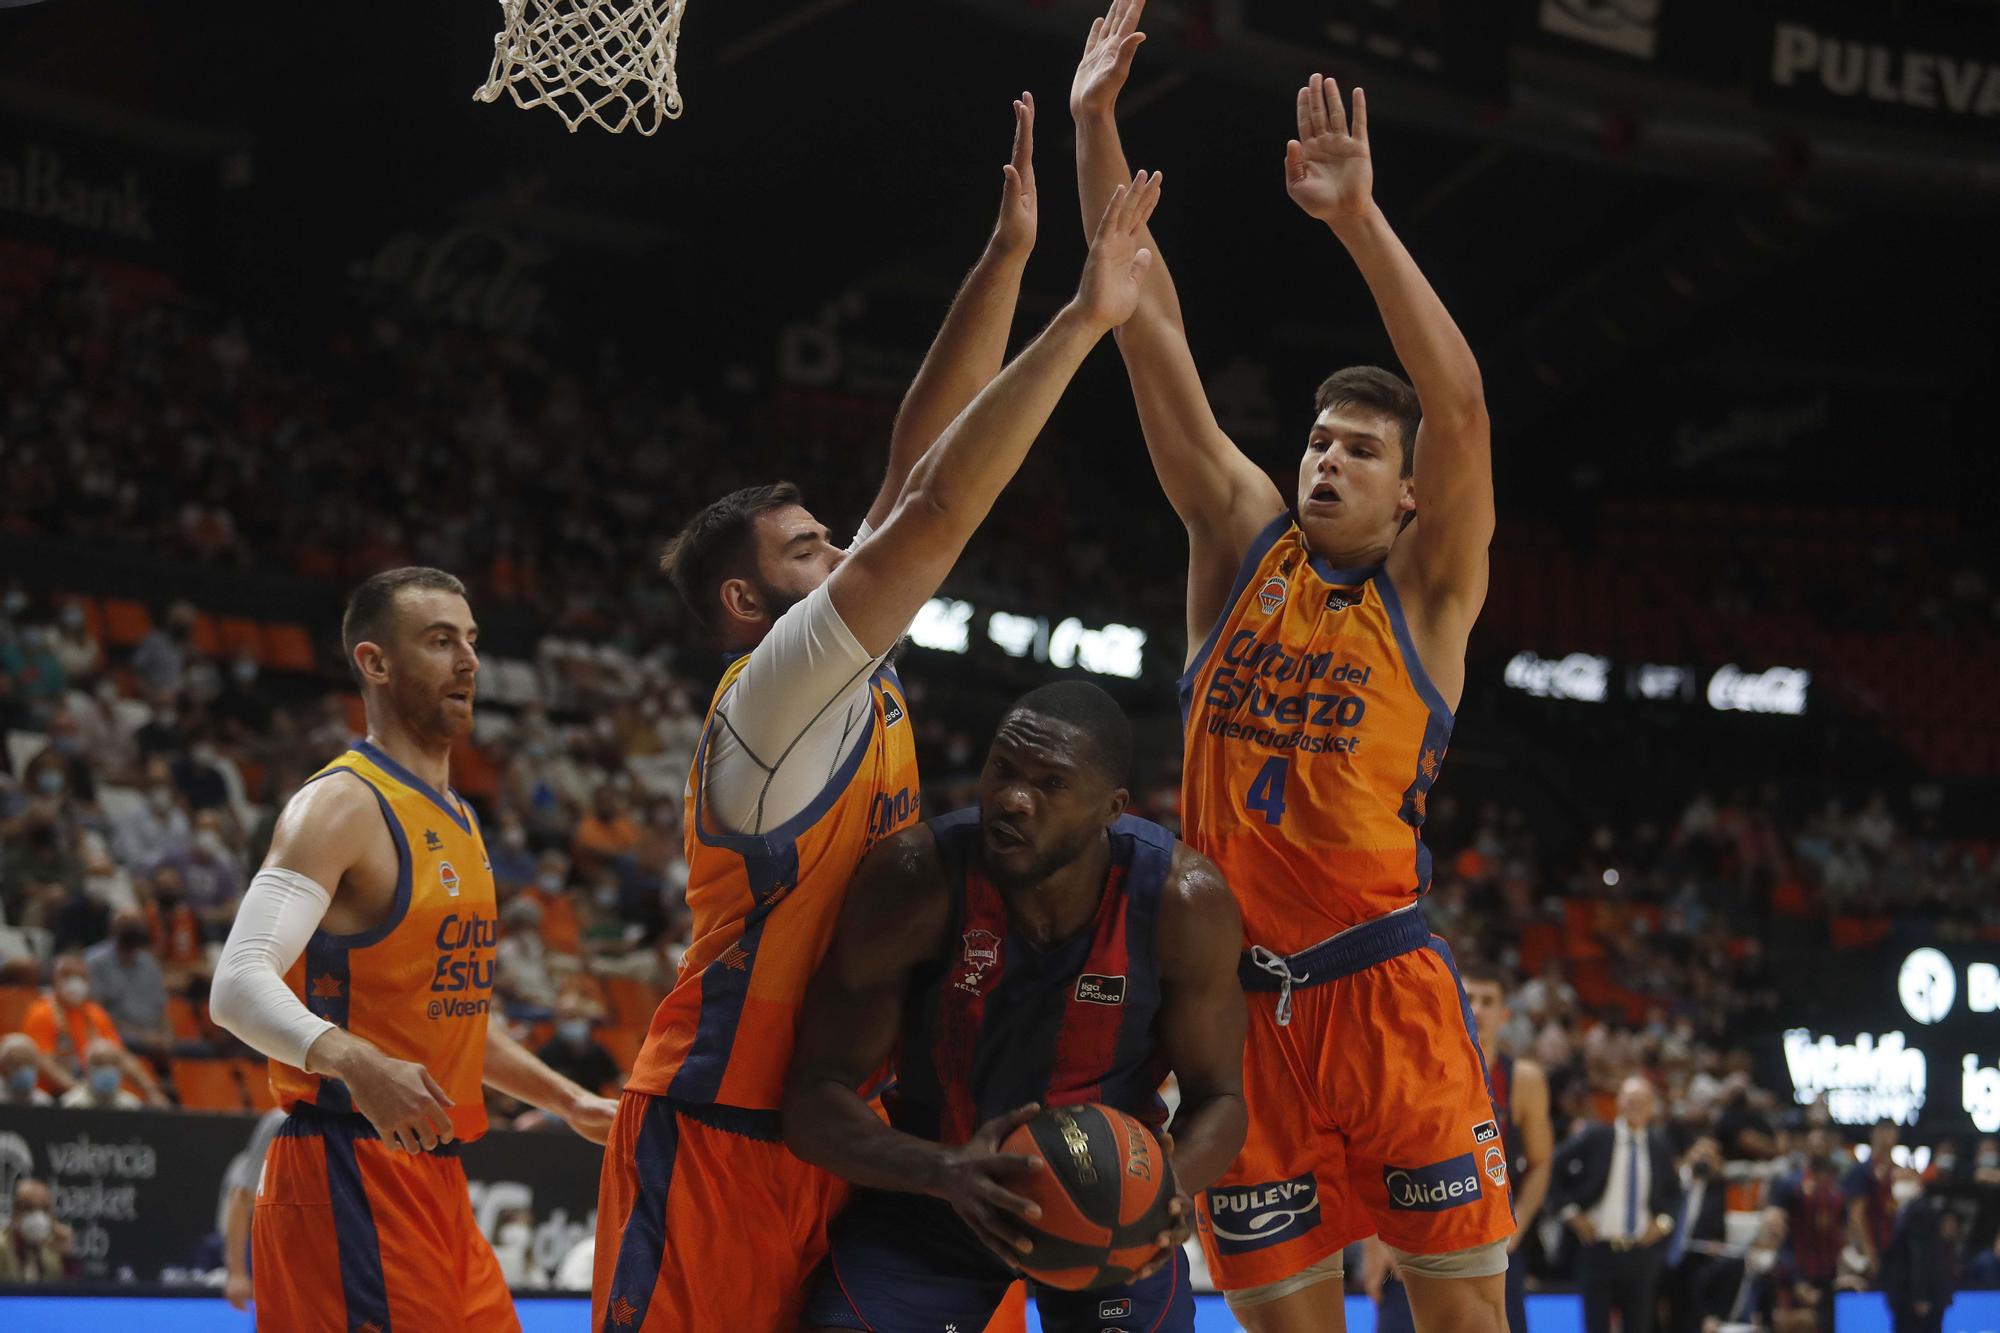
<point x="1272" y="595"/>
<point x="982" y="950"/>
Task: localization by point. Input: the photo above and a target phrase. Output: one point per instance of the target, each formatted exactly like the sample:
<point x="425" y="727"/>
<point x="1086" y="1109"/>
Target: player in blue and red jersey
<point x="1043" y="949"/>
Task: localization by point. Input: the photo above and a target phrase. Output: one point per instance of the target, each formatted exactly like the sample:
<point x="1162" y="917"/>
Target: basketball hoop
<point x="608" y="61"/>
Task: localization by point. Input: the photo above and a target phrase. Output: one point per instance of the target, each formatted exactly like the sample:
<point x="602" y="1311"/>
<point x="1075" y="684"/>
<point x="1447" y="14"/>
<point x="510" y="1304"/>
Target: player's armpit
<point x="1203" y="1019"/>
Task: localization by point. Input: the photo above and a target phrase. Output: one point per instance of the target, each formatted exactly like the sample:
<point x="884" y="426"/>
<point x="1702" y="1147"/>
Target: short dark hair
<point x="1478" y="969"/>
<point x="371" y="606"/>
<point x="716" y="544"/>
<point x="1374" y="387"/>
<point x="1090" y="710"/>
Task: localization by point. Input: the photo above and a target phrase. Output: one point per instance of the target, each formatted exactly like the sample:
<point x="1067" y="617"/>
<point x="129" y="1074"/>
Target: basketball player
<point x="806" y="761"/>
<point x="1329" y="652"/>
<point x="361" y="962"/>
<point x="1041" y="949"/>
<point x="1521" y="1096"/>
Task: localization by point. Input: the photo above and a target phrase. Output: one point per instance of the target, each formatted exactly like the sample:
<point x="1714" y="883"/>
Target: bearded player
<point x="361" y="962"/>
<point x="1329" y="654"/>
<point x="705" y="1220"/>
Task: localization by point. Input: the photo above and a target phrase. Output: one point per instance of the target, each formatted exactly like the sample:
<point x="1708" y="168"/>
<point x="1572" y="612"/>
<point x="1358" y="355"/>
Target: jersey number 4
<point x="1267" y="791"/>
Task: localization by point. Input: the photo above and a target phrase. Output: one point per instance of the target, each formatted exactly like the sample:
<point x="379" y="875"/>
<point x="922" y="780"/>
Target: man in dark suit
<point x="1698" y="1233"/>
<point x="1620" y="1194"/>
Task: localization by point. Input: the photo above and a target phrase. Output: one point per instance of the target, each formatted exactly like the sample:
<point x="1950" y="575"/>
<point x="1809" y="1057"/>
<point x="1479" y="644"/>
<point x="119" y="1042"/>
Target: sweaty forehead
<point x="1355" y="419"/>
<point x="1037" y="739"/>
<point x="776" y="527"/>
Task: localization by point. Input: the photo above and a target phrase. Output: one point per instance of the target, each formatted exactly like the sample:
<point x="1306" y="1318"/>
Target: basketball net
<point x="609" y="61"/>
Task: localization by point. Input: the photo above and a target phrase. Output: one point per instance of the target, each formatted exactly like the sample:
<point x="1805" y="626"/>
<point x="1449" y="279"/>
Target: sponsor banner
<point x="1452" y="1183"/>
<point x="98" y="196"/>
<point x="1252" y="1217"/>
<point x="1941" y="77"/>
<point x="144" y="1190"/>
<point x="1460" y="43"/>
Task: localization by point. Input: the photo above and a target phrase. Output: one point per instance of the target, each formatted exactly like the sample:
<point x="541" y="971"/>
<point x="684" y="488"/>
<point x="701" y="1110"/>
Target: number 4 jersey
<point x="1312" y="739"/>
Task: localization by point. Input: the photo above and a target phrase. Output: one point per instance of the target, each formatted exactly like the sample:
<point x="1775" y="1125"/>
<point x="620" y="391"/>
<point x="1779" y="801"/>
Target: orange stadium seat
<point x="205" y="640"/>
<point x="256" y="1076"/>
<point x="125" y="623"/>
<point x="623" y="1043"/>
<point x="287" y="647"/>
<point x="15" y="1001"/>
<point x="181" y="1020"/>
<point x="240" y="636"/>
<point x="207" y="1085"/>
<point x="632" y="1001"/>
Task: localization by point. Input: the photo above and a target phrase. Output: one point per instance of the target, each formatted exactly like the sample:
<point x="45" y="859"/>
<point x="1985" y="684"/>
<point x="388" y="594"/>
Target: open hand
<point x="970" y="1184"/>
<point x="1015" y="232"/>
<point x="1118" y="264"/>
<point x="1107" y="60"/>
<point x="399" y="1098"/>
<point x="1328" y="171"/>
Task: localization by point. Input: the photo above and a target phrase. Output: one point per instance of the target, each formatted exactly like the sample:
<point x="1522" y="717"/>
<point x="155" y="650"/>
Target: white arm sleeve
<point x="279" y="913"/>
<point x="797" y="710"/>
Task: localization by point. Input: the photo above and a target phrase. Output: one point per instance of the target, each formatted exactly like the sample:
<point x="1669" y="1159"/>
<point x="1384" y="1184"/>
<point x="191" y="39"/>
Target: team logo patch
<point x="1100" y="990"/>
<point x="982" y="950"/>
<point x="1252" y="1217"/>
<point x="1452" y="1183"/>
<point x="1485" y="1132"/>
<point x="1118" y="1309"/>
<point x="1496" y="1166"/>
<point x="892" y="712"/>
<point x="1272" y="595"/>
<point x="1342" y="598"/>
<point x="448" y="877"/>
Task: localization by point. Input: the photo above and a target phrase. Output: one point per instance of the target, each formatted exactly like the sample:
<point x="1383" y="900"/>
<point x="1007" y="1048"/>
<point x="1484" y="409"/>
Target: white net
<point x="609" y="61"/>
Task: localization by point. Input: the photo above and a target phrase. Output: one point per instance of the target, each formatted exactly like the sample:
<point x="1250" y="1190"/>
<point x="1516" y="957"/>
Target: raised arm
<point x="878" y="589"/>
<point x="892" y="921"/>
<point x="1221" y="496"/>
<point x="1330" y="173"/>
<point x="972" y="342"/>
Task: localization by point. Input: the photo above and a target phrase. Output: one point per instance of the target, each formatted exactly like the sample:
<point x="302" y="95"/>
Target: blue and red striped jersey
<point x="992" y="1022"/>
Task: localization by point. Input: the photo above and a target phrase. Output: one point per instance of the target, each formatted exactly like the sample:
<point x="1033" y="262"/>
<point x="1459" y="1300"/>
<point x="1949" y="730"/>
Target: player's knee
<point x="1488" y="1260"/>
<point x="1329" y="1269"/>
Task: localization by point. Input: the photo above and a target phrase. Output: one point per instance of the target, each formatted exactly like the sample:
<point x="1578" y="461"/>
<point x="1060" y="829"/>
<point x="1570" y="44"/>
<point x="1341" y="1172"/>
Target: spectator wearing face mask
<point x="65" y="1023"/>
<point x="173" y="929"/>
<point x="20" y="1072"/>
<point x="1746" y="1291"/>
<point x="522" y="975"/>
<point x="605" y="838"/>
<point x="1920" y="1262"/>
<point x="34" y="1247"/>
<point x="165" y="733"/>
<point x="156" y="829"/>
<point x="126" y="978"/>
<point x="75" y="646"/>
<point x="161" y="658"/>
<point x="513" y="1238"/>
<point x="39" y="680"/>
<point x="560" y="926"/>
<point x="41" y="868"/>
<point x="574" y="1051"/>
<point x="514" y="865"/>
<point x="103" y="1085"/>
<point x="211" y="872"/>
<point x="240" y="711"/>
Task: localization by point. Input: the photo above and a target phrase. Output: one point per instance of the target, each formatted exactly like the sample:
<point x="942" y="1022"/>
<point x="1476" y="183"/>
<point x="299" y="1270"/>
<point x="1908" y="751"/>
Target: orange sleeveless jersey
<point x="1312" y="738"/>
<point x="420" y="984"/>
<point x="764" y="910"/>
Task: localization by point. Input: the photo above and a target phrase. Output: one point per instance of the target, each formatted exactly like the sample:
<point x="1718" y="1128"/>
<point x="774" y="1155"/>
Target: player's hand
<point x="591" y="1116"/>
<point x="1015" y="232"/>
<point x="1180" y="1211"/>
<point x="237" y="1291"/>
<point x="399" y="1098"/>
<point x="1107" y="60"/>
<point x="969" y="1182"/>
<point x="1117" y="265"/>
<point x="1328" y="171"/>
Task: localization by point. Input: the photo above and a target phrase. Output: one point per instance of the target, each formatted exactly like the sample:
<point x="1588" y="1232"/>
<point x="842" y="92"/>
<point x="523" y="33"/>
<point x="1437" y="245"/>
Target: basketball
<point x="1104" y="1195"/>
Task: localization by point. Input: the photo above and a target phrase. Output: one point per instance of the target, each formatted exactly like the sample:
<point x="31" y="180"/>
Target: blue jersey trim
<point x="1260" y="546"/>
<point x="370" y="751"/>
<point x="642" y="1242"/>
<point x="1392" y="602"/>
<point x="1437" y="946"/>
<point x="360" y="1246"/>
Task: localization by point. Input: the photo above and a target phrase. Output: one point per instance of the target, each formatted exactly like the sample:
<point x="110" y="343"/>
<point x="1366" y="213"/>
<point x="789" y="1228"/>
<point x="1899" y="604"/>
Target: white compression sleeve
<point x="278" y="915"/>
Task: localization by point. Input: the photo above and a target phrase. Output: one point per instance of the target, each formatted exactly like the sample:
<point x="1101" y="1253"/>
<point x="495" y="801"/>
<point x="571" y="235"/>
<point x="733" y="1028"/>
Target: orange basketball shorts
<point x="1369" y="1115"/>
<point x="351" y="1234"/>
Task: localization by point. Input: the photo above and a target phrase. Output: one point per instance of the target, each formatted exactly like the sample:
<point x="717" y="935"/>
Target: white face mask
<point x="34" y="1227"/>
<point x="1905" y="1190"/>
<point x="211" y="842"/>
<point x="515" y="1236"/>
<point x="73" y="991"/>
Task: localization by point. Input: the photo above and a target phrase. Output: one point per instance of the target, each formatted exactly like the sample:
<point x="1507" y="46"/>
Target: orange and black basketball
<point x="1104" y="1196"/>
